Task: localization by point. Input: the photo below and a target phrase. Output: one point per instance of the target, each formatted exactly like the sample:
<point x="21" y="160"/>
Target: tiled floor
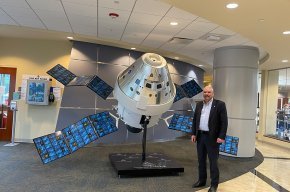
<point x="272" y="175"/>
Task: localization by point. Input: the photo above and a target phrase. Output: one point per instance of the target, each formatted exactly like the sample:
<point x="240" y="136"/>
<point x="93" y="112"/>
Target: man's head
<point x="207" y="93"/>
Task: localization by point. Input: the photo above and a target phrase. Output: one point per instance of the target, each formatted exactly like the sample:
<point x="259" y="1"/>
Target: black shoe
<point x="213" y="188"/>
<point x="198" y="184"/>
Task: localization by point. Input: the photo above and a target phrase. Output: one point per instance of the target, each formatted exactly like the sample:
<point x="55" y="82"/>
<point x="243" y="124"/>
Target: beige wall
<point x="34" y="57"/>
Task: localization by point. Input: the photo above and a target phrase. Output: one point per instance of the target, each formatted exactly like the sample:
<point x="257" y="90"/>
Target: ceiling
<point x="145" y="24"/>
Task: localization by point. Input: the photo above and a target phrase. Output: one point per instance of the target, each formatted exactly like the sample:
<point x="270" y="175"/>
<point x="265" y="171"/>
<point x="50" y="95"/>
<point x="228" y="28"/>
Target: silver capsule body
<point x="144" y="88"/>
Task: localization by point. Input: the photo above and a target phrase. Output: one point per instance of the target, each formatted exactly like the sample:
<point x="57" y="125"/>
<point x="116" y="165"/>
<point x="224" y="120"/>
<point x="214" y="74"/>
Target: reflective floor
<point x="272" y="175"/>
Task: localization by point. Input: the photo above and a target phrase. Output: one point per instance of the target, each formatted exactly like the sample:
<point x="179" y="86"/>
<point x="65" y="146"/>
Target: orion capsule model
<point x="144" y="88"/>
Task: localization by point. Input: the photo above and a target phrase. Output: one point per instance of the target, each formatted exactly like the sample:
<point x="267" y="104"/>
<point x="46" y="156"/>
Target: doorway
<point x="7" y="87"/>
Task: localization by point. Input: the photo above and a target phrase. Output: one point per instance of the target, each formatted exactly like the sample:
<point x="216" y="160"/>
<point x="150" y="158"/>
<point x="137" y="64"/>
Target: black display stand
<point x="156" y="164"/>
<point x="137" y="164"/>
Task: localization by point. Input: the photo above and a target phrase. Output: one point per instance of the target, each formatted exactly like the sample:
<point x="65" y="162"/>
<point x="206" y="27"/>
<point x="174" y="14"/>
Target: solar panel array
<point x="61" y="74"/>
<point x="67" y="78"/>
<point x="230" y="145"/>
<point x="188" y="89"/>
<point x="179" y="93"/>
<point x="100" y="87"/>
<point x="191" y="88"/>
<point x="181" y="123"/>
<point x="70" y="139"/>
<point x="81" y="81"/>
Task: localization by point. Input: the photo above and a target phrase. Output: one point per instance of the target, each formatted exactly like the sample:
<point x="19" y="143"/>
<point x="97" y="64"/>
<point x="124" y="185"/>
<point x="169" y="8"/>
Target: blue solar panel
<point x="61" y="74"/>
<point x="230" y="145"/>
<point x="51" y="147"/>
<point x="191" y="88"/>
<point x="81" y="81"/>
<point x="73" y="137"/>
<point x="103" y="123"/>
<point x="181" y="123"/>
<point x="100" y="87"/>
<point x="179" y="93"/>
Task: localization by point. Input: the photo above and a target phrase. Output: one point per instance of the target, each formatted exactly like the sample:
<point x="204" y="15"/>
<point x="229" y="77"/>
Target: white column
<point x="235" y="83"/>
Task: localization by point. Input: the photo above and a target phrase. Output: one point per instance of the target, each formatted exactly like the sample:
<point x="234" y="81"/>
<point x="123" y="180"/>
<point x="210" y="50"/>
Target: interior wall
<point x="34" y="57"/>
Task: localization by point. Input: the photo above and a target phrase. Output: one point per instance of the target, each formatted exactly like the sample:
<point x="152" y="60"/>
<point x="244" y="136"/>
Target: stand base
<point x="11" y="144"/>
<point x="130" y="164"/>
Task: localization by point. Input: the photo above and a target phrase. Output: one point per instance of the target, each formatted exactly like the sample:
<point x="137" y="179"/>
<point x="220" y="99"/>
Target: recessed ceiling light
<point x="200" y="65"/>
<point x="284" y="61"/>
<point x="286" y="33"/>
<point x="232" y="5"/>
<point x="69" y="37"/>
<point x="173" y="23"/>
<point x="133" y="48"/>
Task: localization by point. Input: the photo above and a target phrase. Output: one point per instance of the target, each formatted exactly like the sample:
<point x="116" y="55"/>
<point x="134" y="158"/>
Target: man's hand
<point x="193" y="138"/>
<point x="219" y="140"/>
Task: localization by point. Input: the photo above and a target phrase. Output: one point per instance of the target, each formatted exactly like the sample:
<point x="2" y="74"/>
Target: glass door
<point x="7" y="87"/>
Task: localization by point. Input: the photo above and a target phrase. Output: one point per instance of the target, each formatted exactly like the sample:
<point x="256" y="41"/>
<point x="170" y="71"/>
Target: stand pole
<point x="13" y="131"/>
<point x="144" y="142"/>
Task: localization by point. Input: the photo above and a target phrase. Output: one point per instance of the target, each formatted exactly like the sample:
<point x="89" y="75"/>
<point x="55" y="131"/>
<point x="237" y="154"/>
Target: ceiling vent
<point x="180" y="40"/>
<point x="214" y="37"/>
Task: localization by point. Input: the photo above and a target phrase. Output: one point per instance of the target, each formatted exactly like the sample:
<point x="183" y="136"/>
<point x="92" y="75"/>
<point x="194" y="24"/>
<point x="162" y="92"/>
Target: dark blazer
<point x="218" y="120"/>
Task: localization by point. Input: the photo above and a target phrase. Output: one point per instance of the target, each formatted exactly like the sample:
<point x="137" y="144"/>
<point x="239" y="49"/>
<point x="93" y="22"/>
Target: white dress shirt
<point x="203" y="124"/>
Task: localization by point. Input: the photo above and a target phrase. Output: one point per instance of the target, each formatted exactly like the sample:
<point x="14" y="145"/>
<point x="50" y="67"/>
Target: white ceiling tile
<point x="104" y="14"/>
<point x="153" y="7"/>
<point x="168" y="31"/>
<point x="171" y="47"/>
<point x="180" y="14"/>
<point x="143" y="18"/>
<point x="59" y="26"/>
<point x="85" y="29"/>
<point x="83" y="2"/>
<point x="136" y="39"/>
<point x="54" y="20"/>
<point x="78" y="9"/>
<point x="136" y="33"/>
<point x="118" y="5"/>
<point x="200" y="44"/>
<point x="200" y="19"/>
<point x="113" y="31"/>
<point x="51" y="5"/>
<point x="83" y="20"/>
<point x="23" y="16"/>
<point x="156" y="40"/>
<point x="5" y="19"/>
<point x="190" y="34"/>
<point x="223" y="31"/>
<point x="14" y="3"/>
<point x="201" y="26"/>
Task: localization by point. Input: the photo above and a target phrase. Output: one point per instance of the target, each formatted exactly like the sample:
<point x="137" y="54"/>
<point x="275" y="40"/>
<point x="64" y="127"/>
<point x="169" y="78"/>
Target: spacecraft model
<point x="144" y="91"/>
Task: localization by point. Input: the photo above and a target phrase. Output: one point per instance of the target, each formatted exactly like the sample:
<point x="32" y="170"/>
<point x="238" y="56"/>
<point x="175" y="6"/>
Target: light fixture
<point x="286" y="33"/>
<point x="232" y="5"/>
<point x="284" y="61"/>
<point x="133" y="48"/>
<point x="173" y="23"/>
<point x="70" y="38"/>
<point x="200" y="65"/>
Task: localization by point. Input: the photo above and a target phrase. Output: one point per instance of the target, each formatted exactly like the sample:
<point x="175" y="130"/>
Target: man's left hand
<point x="219" y="140"/>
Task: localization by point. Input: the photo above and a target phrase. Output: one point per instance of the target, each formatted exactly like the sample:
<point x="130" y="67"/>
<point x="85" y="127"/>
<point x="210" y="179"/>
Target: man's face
<point x="207" y="94"/>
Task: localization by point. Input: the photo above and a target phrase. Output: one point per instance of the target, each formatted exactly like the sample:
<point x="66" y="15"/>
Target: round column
<point x="235" y="83"/>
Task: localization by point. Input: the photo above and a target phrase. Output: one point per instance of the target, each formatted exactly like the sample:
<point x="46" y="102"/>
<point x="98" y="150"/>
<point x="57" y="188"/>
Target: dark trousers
<point x="205" y="148"/>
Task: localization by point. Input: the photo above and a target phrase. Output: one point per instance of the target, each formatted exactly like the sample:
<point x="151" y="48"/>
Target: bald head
<point x="208" y="93"/>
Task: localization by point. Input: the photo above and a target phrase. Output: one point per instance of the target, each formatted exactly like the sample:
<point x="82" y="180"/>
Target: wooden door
<point x="7" y="87"/>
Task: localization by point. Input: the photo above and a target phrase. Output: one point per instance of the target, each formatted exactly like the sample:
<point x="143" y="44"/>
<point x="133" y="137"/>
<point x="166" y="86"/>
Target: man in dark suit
<point x="209" y="131"/>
